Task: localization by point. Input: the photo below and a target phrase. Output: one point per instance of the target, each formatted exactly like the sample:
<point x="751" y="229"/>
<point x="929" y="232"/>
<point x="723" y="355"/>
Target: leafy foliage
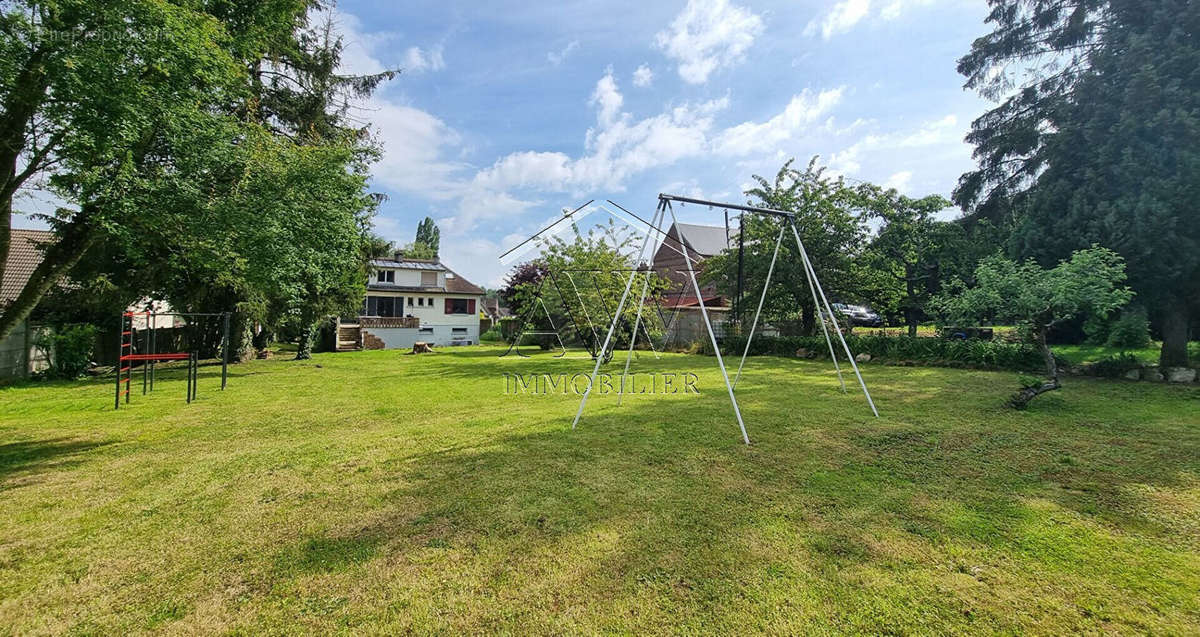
<point x="68" y="349"/>
<point x="900" y="349"/>
<point x="1115" y="366"/>
<point x="1096" y="141"/>
<point x="912" y="249"/>
<point x="1037" y="299"/>
<point x="834" y="234"/>
<point x="429" y="238"/>
<point x="581" y="282"/>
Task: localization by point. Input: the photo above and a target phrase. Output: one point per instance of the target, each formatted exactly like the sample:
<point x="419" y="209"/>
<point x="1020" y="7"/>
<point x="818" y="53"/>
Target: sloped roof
<point x="703" y="240"/>
<point x="408" y="264"/>
<point x="24" y="254"/>
<point x="455" y="284"/>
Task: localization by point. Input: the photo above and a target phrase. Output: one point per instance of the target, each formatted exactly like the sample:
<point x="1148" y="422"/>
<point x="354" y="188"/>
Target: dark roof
<point x="703" y="240"/>
<point x="409" y="264"/>
<point x="24" y="254"/>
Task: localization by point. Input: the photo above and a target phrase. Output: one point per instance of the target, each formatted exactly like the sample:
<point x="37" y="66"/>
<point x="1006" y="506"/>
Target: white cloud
<point x="841" y="18"/>
<point x="708" y="35"/>
<point x="844" y="15"/>
<point x="557" y="57"/>
<point x="416" y="145"/>
<point x="896" y="8"/>
<point x="643" y="76"/>
<point x="900" y="181"/>
<point x="932" y="141"/>
<point x="617" y="148"/>
<point x="417" y="60"/>
<point x="607" y="98"/>
<point x="752" y="137"/>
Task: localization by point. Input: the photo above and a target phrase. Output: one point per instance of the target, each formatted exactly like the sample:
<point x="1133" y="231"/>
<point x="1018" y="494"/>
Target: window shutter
<point x="471" y="306"/>
<point x="449" y="306"/>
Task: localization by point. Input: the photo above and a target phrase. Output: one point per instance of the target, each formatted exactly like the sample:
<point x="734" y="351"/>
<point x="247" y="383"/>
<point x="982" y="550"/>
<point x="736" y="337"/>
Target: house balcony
<point x="389" y="321"/>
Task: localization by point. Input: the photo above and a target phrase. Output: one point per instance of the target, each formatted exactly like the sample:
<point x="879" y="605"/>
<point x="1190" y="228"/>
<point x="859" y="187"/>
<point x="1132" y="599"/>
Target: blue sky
<point x="508" y="111"/>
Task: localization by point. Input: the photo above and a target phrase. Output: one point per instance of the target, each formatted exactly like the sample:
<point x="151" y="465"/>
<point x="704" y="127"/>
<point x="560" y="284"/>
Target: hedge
<point x="927" y="351"/>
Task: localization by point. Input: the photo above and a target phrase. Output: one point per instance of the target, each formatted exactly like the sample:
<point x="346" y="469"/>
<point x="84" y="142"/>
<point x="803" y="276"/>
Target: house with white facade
<point x="411" y="300"/>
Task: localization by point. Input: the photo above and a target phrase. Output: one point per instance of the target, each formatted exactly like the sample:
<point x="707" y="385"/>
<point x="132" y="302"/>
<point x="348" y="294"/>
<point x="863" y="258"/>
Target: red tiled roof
<point x="459" y="285"/>
<point x="24" y="254"/>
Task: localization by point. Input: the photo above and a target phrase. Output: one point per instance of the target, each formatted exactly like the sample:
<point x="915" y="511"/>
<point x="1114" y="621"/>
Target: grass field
<point x="376" y="492"/>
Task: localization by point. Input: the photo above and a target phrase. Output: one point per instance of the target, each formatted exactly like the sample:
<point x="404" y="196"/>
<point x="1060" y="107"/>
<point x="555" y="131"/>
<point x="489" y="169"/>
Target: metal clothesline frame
<point x="788" y="220"/>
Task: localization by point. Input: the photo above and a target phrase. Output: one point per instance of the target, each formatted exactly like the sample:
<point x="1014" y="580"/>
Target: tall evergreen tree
<point x="1102" y="147"/>
<point x="429" y="236"/>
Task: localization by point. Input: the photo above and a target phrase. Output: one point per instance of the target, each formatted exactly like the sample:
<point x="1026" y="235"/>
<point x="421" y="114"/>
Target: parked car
<point x="860" y="315"/>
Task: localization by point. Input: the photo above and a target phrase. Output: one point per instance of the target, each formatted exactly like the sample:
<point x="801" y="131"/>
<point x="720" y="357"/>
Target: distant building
<point x="411" y="300"/>
<point x="18" y="356"/>
<point x="701" y="243"/>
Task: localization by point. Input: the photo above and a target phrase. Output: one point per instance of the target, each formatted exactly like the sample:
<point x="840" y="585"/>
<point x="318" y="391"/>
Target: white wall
<point x="14" y="361"/>
<point x="439" y="336"/>
<point x="435" y="315"/>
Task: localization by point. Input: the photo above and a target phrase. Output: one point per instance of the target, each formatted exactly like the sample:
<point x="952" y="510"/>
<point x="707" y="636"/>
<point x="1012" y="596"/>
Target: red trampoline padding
<point x="155" y="357"/>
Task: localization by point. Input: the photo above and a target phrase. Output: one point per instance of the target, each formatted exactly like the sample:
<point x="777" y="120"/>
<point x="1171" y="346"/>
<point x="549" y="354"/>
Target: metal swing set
<point x="145" y="351"/>
<point x="653" y="229"/>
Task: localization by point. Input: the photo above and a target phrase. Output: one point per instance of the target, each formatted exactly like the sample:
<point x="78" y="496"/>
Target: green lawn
<point x="384" y="493"/>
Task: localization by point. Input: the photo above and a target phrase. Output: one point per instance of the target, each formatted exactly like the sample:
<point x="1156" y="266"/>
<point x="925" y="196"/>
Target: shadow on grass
<point x="674" y="508"/>
<point x="39" y="455"/>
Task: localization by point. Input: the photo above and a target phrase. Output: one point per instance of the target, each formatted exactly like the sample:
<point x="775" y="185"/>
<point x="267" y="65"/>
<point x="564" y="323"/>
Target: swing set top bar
<point x="730" y="206"/>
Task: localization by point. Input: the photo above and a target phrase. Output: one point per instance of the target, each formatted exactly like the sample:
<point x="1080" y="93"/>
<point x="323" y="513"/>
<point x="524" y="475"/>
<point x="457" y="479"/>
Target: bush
<point x="68" y="349"/>
<point x="1131" y="330"/>
<point x="491" y="336"/>
<point x="936" y="351"/>
<point x="1114" y="366"/>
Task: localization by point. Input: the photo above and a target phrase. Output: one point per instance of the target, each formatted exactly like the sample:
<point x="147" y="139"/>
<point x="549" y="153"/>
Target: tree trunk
<point x="1021" y="399"/>
<point x="910" y="309"/>
<point x="1175" y="334"/>
<point x="808" y="321"/>
<point x="240" y="349"/>
<point x="304" y="351"/>
<point x="24" y="97"/>
<point x="74" y="239"/>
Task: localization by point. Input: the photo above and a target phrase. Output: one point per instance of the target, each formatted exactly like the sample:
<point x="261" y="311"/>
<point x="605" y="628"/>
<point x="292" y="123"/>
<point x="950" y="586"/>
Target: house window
<point x="410" y="302"/>
<point x="429" y="279"/>
<point x="385" y="306"/>
<point x="431" y="301"/>
<point x="421" y="301"/>
<point x="385" y="276"/>
<point x="460" y="306"/>
<point x="426" y="330"/>
<point x="459" y="330"/>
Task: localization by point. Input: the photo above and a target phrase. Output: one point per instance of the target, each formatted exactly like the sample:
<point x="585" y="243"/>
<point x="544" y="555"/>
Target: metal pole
<point x="712" y="335"/>
<point x="120" y="355"/>
<point x="636" y="322"/>
<point x="225" y="355"/>
<point x="758" y="312"/>
<point x="611" y="328"/>
<point x="738" y="311"/>
<point x="145" y="365"/>
<point x="833" y="318"/>
<point x="153" y="347"/>
<point x="811" y="275"/>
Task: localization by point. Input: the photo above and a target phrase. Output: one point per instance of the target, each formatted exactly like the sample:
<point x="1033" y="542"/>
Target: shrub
<point x="936" y="351"/>
<point x="1131" y="330"/>
<point x="491" y="336"/>
<point x="1114" y="366"/>
<point x="68" y="349"/>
